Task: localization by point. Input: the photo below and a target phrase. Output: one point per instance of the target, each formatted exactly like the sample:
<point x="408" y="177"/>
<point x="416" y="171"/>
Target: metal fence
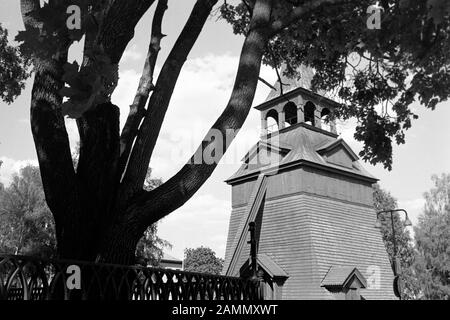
<point x="26" y="278"/>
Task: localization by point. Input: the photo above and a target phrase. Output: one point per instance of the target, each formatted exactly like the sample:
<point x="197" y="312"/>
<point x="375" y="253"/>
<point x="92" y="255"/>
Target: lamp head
<point x="408" y="222"/>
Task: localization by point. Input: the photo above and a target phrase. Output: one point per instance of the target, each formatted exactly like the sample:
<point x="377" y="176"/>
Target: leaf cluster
<point x="14" y="69"/>
<point x="49" y="36"/>
<point x="26" y="224"/>
<point x="202" y="259"/>
<point x="375" y="74"/>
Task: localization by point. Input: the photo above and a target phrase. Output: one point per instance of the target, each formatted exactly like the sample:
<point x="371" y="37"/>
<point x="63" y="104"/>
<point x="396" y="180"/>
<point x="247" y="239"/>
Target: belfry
<point x="311" y="202"/>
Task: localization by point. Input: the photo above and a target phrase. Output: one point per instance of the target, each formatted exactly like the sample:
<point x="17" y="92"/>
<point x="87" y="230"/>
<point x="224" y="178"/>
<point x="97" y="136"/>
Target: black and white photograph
<point x="219" y="159"/>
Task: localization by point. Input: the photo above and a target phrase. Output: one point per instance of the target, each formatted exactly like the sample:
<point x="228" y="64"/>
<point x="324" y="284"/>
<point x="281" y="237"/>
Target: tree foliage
<point x="26" y="224"/>
<point x="89" y="84"/>
<point x="202" y="259"/>
<point x="432" y="235"/>
<point x="13" y="69"/>
<point x="150" y="249"/>
<point x="376" y="74"/>
<point x="383" y="200"/>
<point x="101" y="207"/>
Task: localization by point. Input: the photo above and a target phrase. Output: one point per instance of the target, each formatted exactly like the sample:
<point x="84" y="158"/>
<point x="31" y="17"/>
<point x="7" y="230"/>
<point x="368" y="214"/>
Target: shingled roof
<point x="268" y="265"/>
<point x="307" y="145"/>
<point x="341" y="276"/>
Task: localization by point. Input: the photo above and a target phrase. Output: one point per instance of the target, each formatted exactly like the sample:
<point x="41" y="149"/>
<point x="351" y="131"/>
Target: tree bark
<point x="98" y="216"/>
<point x="134" y="177"/>
<point x="150" y="207"/>
<point x="97" y="168"/>
<point x="118" y="23"/>
<point x="137" y="109"/>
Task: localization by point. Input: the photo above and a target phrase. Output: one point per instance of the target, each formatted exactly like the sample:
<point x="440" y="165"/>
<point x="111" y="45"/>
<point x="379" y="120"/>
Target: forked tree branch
<point x="47" y="121"/>
<point x="151" y="206"/>
<point x="137" y="109"/>
<point x="98" y="128"/>
<point x="52" y="143"/>
<point x="116" y="22"/>
<point x="136" y="171"/>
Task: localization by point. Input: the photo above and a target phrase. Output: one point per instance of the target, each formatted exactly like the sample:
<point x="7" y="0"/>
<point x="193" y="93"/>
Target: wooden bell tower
<point x="312" y="205"/>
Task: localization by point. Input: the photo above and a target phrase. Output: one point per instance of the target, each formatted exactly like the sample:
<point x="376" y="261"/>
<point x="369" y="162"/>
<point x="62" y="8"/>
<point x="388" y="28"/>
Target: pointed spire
<point x="289" y="84"/>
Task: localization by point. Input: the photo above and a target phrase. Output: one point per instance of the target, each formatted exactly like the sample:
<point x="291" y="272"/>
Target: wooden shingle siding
<point x="309" y="180"/>
<point x="315" y="215"/>
<point x="253" y="207"/>
<point x="235" y="219"/>
<point x="306" y="235"/>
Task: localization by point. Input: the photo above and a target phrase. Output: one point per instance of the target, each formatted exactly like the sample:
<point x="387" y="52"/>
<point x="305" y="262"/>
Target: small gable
<point x="341" y="278"/>
<point x="338" y="153"/>
<point x="270" y="267"/>
<point x="340" y="157"/>
<point x="265" y="154"/>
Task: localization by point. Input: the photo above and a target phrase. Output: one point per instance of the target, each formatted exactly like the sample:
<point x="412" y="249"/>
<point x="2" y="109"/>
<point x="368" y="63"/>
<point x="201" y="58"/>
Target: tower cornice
<point x="298" y="91"/>
<point x="297" y="164"/>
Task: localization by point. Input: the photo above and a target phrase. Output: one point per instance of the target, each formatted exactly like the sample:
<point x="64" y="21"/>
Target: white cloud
<point x="202" y="92"/>
<point x="132" y="54"/>
<point x="10" y="167"/>
<point x="124" y="94"/>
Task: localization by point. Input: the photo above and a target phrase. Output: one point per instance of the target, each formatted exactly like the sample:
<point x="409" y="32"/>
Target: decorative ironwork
<point x="26" y="278"/>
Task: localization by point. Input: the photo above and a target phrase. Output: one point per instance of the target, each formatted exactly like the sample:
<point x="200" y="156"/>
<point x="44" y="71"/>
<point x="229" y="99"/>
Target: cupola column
<point x="317" y="116"/>
<point x="300" y="113"/>
<point x="333" y="126"/>
<point x="281" y="120"/>
<point x="263" y="125"/>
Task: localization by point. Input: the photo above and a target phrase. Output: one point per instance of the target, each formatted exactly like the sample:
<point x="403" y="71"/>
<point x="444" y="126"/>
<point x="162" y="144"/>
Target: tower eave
<point x="298" y="91"/>
<point x="298" y="164"/>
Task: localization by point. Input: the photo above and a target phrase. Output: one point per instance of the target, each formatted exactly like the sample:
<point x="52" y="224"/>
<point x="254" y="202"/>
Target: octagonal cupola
<point x="296" y="103"/>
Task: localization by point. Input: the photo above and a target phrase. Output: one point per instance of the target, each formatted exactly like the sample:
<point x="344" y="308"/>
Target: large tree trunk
<point x="119" y="245"/>
<point x="100" y="209"/>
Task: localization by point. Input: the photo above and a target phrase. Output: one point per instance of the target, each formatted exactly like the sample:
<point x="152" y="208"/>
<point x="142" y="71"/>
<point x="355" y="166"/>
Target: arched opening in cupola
<point x="272" y="121"/>
<point x="309" y="110"/>
<point x="325" y="119"/>
<point x="290" y="114"/>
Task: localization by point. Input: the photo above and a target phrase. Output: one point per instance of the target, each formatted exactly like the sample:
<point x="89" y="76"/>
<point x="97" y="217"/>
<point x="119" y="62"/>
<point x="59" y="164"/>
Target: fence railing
<point x="26" y="278"/>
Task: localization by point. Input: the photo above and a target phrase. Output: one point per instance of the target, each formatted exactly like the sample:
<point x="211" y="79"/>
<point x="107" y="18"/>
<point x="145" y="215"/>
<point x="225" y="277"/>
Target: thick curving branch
<point x="117" y="27"/>
<point x="151" y="206"/>
<point x="159" y="101"/>
<point x="52" y="144"/>
<point x="98" y="128"/>
<point x="137" y="109"/>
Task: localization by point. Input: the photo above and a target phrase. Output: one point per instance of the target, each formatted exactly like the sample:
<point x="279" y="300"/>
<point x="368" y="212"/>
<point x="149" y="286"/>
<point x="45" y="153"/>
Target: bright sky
<point x="201" y="94"/>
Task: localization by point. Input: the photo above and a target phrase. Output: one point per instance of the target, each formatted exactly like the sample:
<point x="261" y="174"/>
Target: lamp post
<point x="396" y="263"/>
<point x="253" y="250"/>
